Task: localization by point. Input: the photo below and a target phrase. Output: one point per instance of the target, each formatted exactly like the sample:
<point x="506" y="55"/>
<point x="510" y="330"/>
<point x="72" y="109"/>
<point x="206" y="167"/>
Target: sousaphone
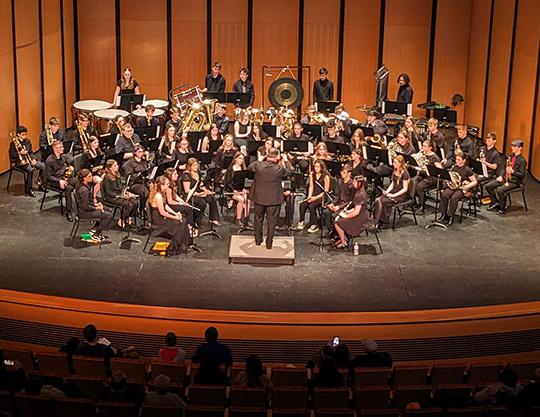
<point x="286" y="92"/>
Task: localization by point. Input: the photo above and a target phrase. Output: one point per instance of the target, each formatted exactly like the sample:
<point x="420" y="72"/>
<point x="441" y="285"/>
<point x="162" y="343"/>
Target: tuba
<point x="24" y="159"/>
<point x="194" y="119"/>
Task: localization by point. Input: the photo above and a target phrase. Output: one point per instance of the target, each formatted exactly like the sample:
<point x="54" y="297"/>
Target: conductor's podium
<point x="244" y="251"/>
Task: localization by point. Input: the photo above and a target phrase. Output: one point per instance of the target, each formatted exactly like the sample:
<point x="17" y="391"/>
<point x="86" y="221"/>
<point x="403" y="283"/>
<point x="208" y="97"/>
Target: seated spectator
<point x="12" y="375"/>
<point x="372" y="358"/>
<point x="91" y="347"/>
<point x="328" y="375"/>
<point x="213" y="347"/>
<point x="162" y="396"/>
<point x="504" y="392"/>
<point x="342" y="356"/>
<point x="119" y="390"/>
<point x="171" y="353"/>
<point x="210" y="371"/>
<point x="254" y="375"/>
<point x="327" y="351"/>
<point x="530" y="396"/>
<point x="70" y="348"/>
<point x="35" y="386"/>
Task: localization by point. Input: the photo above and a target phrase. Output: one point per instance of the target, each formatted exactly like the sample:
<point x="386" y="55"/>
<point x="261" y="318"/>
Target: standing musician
<point x="460" y="188"/>
<point x="240" y="196"/>
<point x="512" y="177"/>
<point x="59" y="173"/>
<point x="149" y="119"/>
<point x="88" y="159"/>
<point x="87" y="208"/>
<point x="25" y="159"/>
<point x="396" y="192"/>
<point x="214" y="82"/>
<point x="136" y="167"/>
<point x="344" y="196"/>
<point x="353" y="221"/>
<point x="126" y="85"/>
<point x="114" y="194"/>
<point x="127" y="142"/>
<point x="169" y="222"/>
<point x="401" y="144"/>
<point x="436" y="136"/>
<point x="118" y="122"/>
<point x="221" y="119"/>
<point x="51" y="133"/>
<point x="174" y="119"/>
<point x="332" y="134"/>
<point x="414" y="133"/>
<point x="242" y="128"/>
<point x="181" y="152"/>
<point x="257" y="133"/>
<point x="267" y="194"/>
<point x="373" y="121"/>
<point x="86" y="129"/>
<point x="196" y="193"/>
<point x="319" y="185"/>
<point x="176" y="203"/>
<point x="167" y="145"/>
<point x="357" y="139"/>
<point x="212" y="135"/>
<point x="405" y="92"/>
<point x="423" y="180"/>
<point x="323" y="88"/>
<point x="244" y="85"/>
<point x="490" y="157"/>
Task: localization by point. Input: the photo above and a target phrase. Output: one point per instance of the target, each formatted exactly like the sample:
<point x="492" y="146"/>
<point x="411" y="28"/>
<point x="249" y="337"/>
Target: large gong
<point x="286" y="92"/>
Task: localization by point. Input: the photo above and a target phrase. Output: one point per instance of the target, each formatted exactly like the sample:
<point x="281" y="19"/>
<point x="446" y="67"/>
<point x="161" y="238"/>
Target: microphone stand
<point x="128" y="237"/>
<point x="320" y="243"/>
<point x="435" y="222"/>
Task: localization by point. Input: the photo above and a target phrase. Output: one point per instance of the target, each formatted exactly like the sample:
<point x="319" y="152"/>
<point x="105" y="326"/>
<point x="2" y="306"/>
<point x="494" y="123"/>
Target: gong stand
<point x="290" y="87"/>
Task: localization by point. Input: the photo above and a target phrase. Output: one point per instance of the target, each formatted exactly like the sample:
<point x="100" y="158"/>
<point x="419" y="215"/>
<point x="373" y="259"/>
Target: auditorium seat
<point x="7" y="402"/>
<point x="291" y="412"/>
<point x="426" y="412"/>
<point x="371" y="398"/>
<point x="499" y="411"/>
<point x="343" y="372"/>
<point x="412" y="393"/>
<point x="24" y="356"/>
<point x="289" y="397"/>
<point x="236" y="369"/>
<point x="71" y="407"/>
<point x="116" y="409"/>
<point x="466" y="412"/>
<point x="532" y="412"/>
<point x="247" y="412"/>
<point x="334" y="413"/>
<point x="175" y="372"/>
<point x="330" y="398"/>
<point x="203" y="411"/>
<point x="133" y="368"/>
<point x="453" y="394"/>
<point x="525" y="369"/>
<point x="33" y="406"/>
<point x="213" y="395"/>
<point x="447" y="374"/>
<point x="88" y="366"/>
<point x="409" y="375"/>
<point x="53" y="362"/>
<point x="48" y="378"/>
<point x="379" y="413"/>
<point x="160" y="411"/>
<point x="247" y="397"/>
<point x="86" y="386"/>
<point x="289" y="377"/>
<point x="482" y="373"/>
<point x="371" y="376"/>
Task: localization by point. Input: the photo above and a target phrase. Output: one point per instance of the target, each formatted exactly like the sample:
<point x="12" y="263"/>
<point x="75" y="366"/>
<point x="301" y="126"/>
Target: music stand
<point x="326" y="106"/>
<point x="377" y="156"/>
<point x="478" y="167"/>
<point x="270" y="130"/>
<point x="195" y="140"/>
<point x="214" y="145"/>
<point x="204" y="158"/>
<point x="227" y="160"/>
<point x="327" y="197"/>
<point x="147" y="132"/>
<point x="334" y="167"/>
<point x="440" y="174"/>
<point x="130" y="101"/>
<point x="128" y="238"/>
<point x="239" y="99"/>
<point x="368" y="131"/>
<point x="411" y="162"/>
<point x="118" y="157"/>
<point x="445" y="115"/>
<point x="394" y="107"/>
<point x="214" y="95"/>
<point x="160" y="169"/>
<point x="295" y="146"/>
<point x="313" y="131"/>
<point x="338" y="148"/>
<point x="253" y="146"/>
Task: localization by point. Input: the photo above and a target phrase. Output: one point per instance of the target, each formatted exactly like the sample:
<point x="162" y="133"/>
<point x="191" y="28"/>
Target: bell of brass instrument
<point x="256" y="115"/>
<point x="506" y="174"/>
<point x="318" y="119"/>
<point x="83" y="136"/>
<point x="198" y="116"/>
<point x="70" y="170"/>
<point x="210" y="108"/>
<point x="24" y="158"/>
<point x="421" y="160"/>
<point x="394" y="148"/>
<point x="50" y="137"/>
<point x="378" y="141"/>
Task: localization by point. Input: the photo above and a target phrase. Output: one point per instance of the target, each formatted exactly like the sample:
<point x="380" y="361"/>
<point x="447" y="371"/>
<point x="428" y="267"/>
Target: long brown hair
<point x="190" y="162"/>
<point x="172" y="184"/>
<point x="324" y="170"/>
<point x="108" y="166"/>
<point x="131" y="84"/>
<point x="237" y="155"/>
<point x="159" y="182"/>
<point x="402" y="165"/>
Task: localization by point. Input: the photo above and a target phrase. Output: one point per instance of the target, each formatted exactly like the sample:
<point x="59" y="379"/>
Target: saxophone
<point x="24" y="159"/>
<point x="50" y="137"/>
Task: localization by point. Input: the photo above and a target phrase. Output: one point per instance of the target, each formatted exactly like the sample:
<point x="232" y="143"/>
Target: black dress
<point x="387" y="203"/>
<point x="199" y="202"/>
<point x="355" y="226"/>
<point x="176" y="230"/>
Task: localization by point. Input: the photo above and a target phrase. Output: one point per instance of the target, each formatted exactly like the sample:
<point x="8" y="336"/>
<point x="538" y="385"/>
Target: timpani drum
<point x="159" y="113"/>
<point x="158" y="104"/>
<point x="104" y="119"/>
<point x="89" y="107"/>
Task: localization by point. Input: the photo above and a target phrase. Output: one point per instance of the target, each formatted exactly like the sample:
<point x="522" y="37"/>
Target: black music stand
<point x="214" y="145"/>
<point x="128" y="238"/>
<point x="295" y="146"/>
<point x="411" y="162"/>
<point x="253" y="146"/>
<point x="239" y="99"/>
<point x="118" y="157"/>
<point x="160" y="169"/>
<point x="147" y="132"/>
<point x="377" y="156"/>
<point x="478" y="167"/>
<point x="440" y="174"/>
<point x="313" y="131"/>
<point x="326" y="106"/>
<point x="368" y="131"/>
<point x="270" y="130"/>
<point x="338" y="149"/>
<point x="445" y="115"/>
<point x="214" y="95"/>
<point x="227" y="160"/>
<point x="130" y="101"/>
<point x="394" y="107"/>
<point x="327" y="197"/>
<point x="195" y="140"/>
<point x="204" y="158"/>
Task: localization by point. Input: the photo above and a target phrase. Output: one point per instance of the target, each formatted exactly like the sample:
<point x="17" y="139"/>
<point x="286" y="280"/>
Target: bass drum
<point x="286" y="92"/>
<point x="104" y="119"/>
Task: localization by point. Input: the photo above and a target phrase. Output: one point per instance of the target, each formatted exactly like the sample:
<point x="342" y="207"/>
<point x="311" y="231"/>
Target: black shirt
<point x="493" y="157"/>
<point x="132" y="166"/>
<point x="336" y="139"/>
<point x="215" y="84"/>
<point x="143" y="121"/>
<point x="90" y="131"/>
<point x="323" y="90"/>
<point x="111" y="189"/>
<point x="222" y="123"/>
<point x="83" y="195"/>
<point x="245" y="87"/>
<point x="13" y="154"/>
<point x="124" y="144"/>
<point x="55" y="168"/>
<point x="405" y="94"/>
<point x="128" y="89"/>
<point x="302" y="136"/>
<point x="59" y="135"/>
<point x="346" y="192"/>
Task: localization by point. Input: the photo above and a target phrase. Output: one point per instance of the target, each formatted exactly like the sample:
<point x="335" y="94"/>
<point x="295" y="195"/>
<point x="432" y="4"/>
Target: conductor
<point x="267" y="194"/>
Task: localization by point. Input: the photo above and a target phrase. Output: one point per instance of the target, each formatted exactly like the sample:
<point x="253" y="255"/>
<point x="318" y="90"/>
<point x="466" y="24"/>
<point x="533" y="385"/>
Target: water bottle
<point x="356" y="249"/>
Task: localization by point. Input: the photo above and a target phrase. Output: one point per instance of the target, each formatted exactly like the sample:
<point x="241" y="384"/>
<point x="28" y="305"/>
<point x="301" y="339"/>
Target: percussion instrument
<point x="184" y="98"/>
<point x="159" y="113"/>
<point x="158" y="104"/>
<point x="286" y="92"/>
<point x="104" y="119"/>
<point x="89" y="107"/>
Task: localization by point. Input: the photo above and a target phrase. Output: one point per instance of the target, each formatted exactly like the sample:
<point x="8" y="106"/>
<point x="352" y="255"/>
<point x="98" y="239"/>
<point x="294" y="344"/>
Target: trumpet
<point x="50" y="137"/>
<point x="507" y="175"/>
<point x="24" y="157"/>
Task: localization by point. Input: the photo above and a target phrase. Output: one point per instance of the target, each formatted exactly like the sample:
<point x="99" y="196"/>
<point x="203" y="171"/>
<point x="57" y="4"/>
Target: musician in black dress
<point x="88" y="209"/>
<point x="344" y="196"/>
<point x="169" y="222"/>
<point x="176" y="203"/>
<point x="396" y="192"/>
<point x="31" y="168"/>
<point x="89" y="130"/>
<point x="423" y="180"/>
<point x="359" y="165"/>
<point x="215" y="82"/>
<point x="126" y="85"/>
<point x="512" y="177"/>
<point x="357" y="139"/>
<point x="55" y="133"/>
<point x="167" y="145"/>
<point x="127" y="142"/>
<point x="242" y="129"/>
<point x="182" y="152"/>
<point x="355" y="220"/>
<point x="257" y="133"/>
<point x="149" y="119"/>
<point x="401" y="144"/>
<point x="113" y="193"/>
<point x="405" y="92"/>
<point x="227" y="150"/>
<point x="135" y="168"/>
<point x="239" y="194"/>
<point x="244" y="85"/>
<point x="461" y="187"/>
<point x="91" y="159"/>
<point x="319" y="186"/>
<point x="323" y="88"/>
<point x="212" y="135"/>
<point x="267" y="194"/>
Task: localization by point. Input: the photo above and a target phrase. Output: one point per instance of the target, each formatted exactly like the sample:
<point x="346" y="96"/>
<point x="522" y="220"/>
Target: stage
<point x="484" y="261"/>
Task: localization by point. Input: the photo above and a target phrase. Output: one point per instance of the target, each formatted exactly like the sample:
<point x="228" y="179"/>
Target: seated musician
<point x="288" y="193"/>
<point x="242" y="129"/>
<point x="512" y="177"/>
<point x="321" y="152"/>
<point x="87" y="129"/>
<point x="332" y="134"/>
<point x="343" y="121"/>
<point x="169" y="222"/>
<point x="359" y="165"/>
<point x="127" y="142"/>
<point x="344" y="196"/>
<point x="396" y="192"/>
<point x="297" y="133"/>
<point x="453" y="193"/>
<point x="373" y="121"/>
<point x="319" y="186"/>
<point x="174" y="120"/>
<point x="244" y="85"/>
<point x="264" y="148"/>
<point x="227" y="149"/>
<point x="353" y="221"/>
<point x="149" y="119"/>
<point x="88" y="209"/>
<point x="118" y="122"/>
<point x="51" y="133"/>
<point x="167" y="145"/>
<point x="221" y="119"/>
<point x="436" y="136"/>
<point x="257" y="133"/>
<point x="197" y="194"/>
<point x="88" y="161"/>
<point x="212" y="135"/>
<point x="416" y="138"/>
<point x="462" y="143"/>
<point x="112" y="191"/>
<point x="59" y="173"/>
<point x="302" y="160"/>
<point x="176" y="203"/>
<point x="401" y="144"/>
<point x="308" y="116"/>
<point x="239" y="196"/>
<point x="26" y="155"/>
<point x="490" y="157"/>
<point x="181" y="152"/>
<point x="126" y="85"/>
<point x="423" y="180"/>
<point x="135" y="168"/>
<point x="357" y="139"/>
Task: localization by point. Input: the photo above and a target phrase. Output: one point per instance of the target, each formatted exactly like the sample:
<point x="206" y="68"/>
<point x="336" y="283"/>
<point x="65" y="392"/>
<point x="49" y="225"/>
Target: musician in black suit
<point x="267" y="194"/>
<point x="215" y="82"/>
<point x="405" y="92"/>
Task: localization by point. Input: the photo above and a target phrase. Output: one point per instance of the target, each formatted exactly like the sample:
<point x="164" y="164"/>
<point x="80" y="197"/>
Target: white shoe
<point x="300" y="226"/>
<point x="313" y="229"/>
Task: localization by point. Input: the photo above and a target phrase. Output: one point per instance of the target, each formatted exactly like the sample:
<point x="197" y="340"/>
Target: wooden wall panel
<point x="321" y="41"/>
<point x="28" y="64"/>
<point x="69" y="55"/>
<point x="477" y="60"/>
<point x="7" y="86"/>
<point x="275" y="39"/>
<point x="360" y="54"/>
<point x="534" y="163"/>
<point x="499" y="68"/>
<point x="188" y="42"/>
<point x="520" y="111"/>
<point x="97" y="49"/>
<point x="52" y="59"/>
<point x="406" y="45"/>
<point x="451" y="51"/>
<point x="143" y="29"/>
<point x="229" y="37"/>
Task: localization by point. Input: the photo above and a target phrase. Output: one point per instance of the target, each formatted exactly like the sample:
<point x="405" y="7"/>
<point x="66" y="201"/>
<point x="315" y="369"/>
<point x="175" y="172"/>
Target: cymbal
<point x="286" y="92"/>
<point x="365" y="108"/>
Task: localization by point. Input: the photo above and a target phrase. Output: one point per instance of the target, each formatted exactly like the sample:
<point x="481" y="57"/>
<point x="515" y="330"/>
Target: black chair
<point x="473" y="202"/>
<point x="352" y="239"/>
<point x="520" y="189"/>
<point x="405" y="207"/>
<point x="76" y="219"/>
<point x="60" y="194"/>
<point x="13" y="167"/>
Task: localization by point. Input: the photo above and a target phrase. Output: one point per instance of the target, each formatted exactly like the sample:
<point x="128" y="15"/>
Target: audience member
<point x="119" y="390"/>
<point x="35" y="386"/>
<point x="171" y="353"/>
<point x="162" y="396"/>
<point x="530" y="396"/>
<point x="12" y="374"/>
<point x="214" y="348"/>
<point x="503" y="392"/>
<point x="254" y="375"/>
<point x="342" y="356"/>
<point x="210" y="371"/>
<point x="328" y="376"/>
<point x="372" y="358"/>
<point x="70" y="348"/>
<point x="91" y="346"/>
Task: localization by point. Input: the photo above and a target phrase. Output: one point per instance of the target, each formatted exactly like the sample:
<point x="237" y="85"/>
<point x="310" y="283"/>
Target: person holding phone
<point x="12" y="375"/>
